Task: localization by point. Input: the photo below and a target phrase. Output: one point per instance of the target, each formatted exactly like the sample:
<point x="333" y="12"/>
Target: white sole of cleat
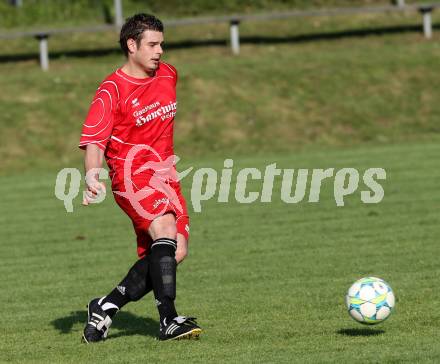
<point x="84" y="340"/>
<point x="193" y="334"/>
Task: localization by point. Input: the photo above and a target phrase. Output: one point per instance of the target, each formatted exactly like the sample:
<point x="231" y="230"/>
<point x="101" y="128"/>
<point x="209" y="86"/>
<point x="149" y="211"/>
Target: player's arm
<point x="95" y="134"/>
<point x="93" y="159"/>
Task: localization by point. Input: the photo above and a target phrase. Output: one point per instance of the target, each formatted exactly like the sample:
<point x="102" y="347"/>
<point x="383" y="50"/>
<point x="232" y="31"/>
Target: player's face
<point x="148" y="54"/>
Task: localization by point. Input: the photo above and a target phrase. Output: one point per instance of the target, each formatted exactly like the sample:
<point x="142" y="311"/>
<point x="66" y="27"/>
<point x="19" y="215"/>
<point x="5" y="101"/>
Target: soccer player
<point x="130" y="123"/>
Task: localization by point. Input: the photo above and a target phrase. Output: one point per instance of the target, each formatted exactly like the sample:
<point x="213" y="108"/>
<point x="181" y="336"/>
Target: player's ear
<point x="131" y="45"/>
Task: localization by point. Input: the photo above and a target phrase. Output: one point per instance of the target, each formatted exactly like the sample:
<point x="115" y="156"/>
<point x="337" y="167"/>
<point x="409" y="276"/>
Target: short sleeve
<point x="98" y="124"/>
<point x="176" y="76"/>
<point x="172" y="71"/>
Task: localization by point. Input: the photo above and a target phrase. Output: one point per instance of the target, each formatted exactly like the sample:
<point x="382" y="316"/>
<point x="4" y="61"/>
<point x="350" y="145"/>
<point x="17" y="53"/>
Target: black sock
<point x="114" y="301"/>
<point x="162" y="269"/>
<point x="134" y="286"/>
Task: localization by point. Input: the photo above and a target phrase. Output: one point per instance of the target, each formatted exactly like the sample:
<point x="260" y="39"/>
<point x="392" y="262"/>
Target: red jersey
<point x="128" y="111"/>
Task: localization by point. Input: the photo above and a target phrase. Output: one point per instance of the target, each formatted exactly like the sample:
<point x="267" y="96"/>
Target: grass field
<point x="267" y="281"/>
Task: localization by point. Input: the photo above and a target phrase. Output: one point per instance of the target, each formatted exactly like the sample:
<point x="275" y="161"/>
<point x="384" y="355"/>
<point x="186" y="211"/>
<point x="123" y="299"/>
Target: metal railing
<point x="234" y="21"/>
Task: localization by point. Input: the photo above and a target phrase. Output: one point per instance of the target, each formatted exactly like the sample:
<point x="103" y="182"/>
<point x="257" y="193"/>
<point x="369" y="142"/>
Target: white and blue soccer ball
<point x="370" y="300"/>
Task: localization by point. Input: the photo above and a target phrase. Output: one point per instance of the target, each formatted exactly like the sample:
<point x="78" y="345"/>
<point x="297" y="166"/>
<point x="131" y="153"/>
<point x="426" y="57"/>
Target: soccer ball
<point x="370" y="300"/>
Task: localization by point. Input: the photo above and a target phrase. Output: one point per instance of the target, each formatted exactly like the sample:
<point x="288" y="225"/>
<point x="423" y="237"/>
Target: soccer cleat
<point x="180" y="327"/>
<point x="98" y="323"/>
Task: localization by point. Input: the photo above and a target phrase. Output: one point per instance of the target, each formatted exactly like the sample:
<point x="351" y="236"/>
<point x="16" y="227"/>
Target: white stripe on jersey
<point x="93" y="141"/>
<point x="111" y="100"/>
<point x="88" y="143"/>
<point x="166" y="64"/>
<point x="120" y="141"/>
<point x="146" y="83"/>
<point x="126" y="79"/>
<point x="105" y="127"/>
<point x="102" y="117"/>
<point x="114" y="83"/>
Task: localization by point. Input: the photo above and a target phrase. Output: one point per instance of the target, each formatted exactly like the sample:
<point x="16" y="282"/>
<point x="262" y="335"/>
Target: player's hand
<point x="94" y="190"/>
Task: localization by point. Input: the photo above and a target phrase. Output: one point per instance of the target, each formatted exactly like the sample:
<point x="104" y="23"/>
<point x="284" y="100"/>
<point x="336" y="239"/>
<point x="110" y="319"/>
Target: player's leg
<point x="137" y="283"/>
<point x="182" y="226"/>
<point x="134" y="286"/>
<point x="163" y="264"/>
<point x="182" y="248"/>
<point x="162" y="259"/>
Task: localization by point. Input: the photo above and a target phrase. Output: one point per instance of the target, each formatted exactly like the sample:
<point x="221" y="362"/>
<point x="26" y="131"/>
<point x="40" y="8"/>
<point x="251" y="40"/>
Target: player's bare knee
<point x="163" y="227"/>
<point x="181" y="255"/>
<point x="166" y="229"/>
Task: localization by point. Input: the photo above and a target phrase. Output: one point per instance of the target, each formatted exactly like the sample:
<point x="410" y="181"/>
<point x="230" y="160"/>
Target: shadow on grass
<point x="127" y="323"/>
<point x="360" y="332"/>
<point x="300" y="38"/>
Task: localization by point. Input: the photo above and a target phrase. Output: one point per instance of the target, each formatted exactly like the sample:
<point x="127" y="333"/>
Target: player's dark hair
<point x="135" y="26"/>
